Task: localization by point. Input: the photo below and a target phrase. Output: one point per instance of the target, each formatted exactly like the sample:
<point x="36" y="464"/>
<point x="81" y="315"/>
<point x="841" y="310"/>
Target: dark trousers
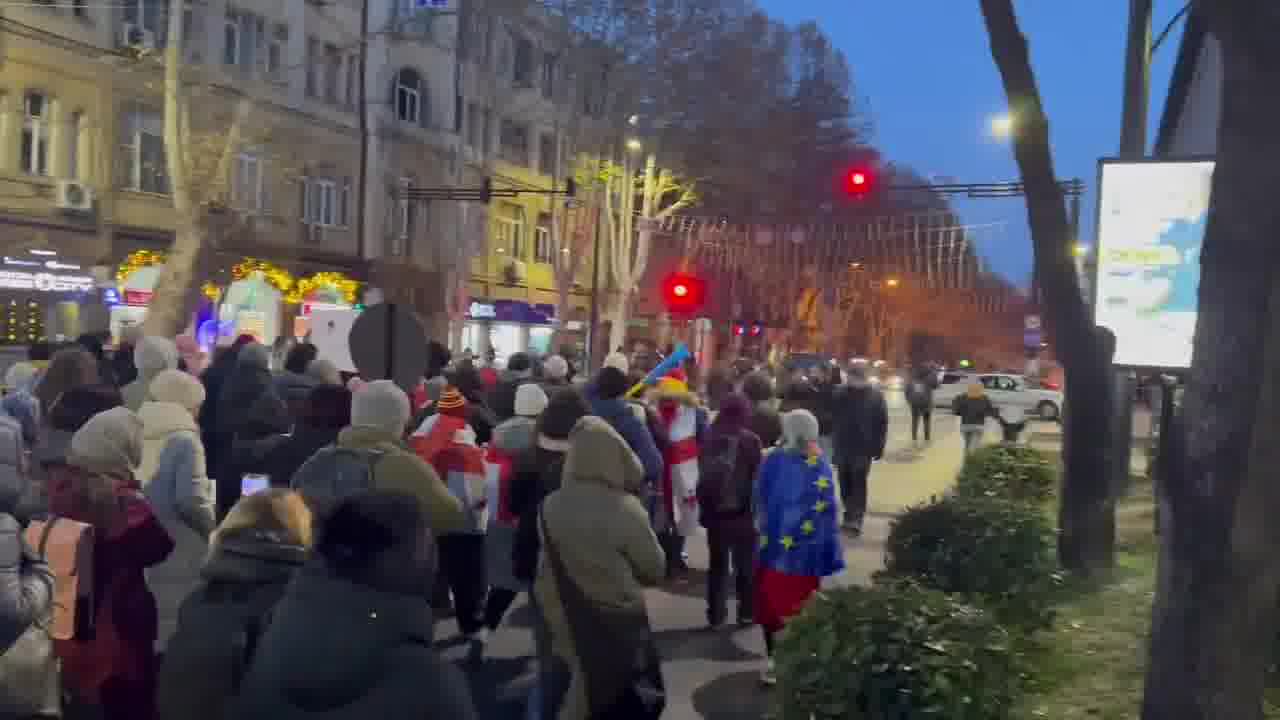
<point x="729" y="549"/>
<point x="853" y="487"/>
<point x="921" y="415"/>
<point x="462" y="569"/>
<point x="673" y="546"/>
<point x="497" y="605"/>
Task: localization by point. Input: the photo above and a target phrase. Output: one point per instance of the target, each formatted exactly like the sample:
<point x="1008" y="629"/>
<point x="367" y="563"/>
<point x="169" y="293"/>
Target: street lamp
<point x="1002" y="126"/>
<point x="634" y="145"/>
<point x="892" y="282"/>
<point x="1080" y="250"/>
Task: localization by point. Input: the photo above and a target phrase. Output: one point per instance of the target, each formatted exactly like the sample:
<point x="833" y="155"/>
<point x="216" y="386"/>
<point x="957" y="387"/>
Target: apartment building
<point x="83" y="175"/>
<point x="517" y="117"/>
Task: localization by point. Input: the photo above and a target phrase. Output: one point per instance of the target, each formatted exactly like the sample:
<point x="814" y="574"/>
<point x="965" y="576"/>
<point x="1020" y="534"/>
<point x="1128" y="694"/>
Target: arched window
<point x="408" y="96"/>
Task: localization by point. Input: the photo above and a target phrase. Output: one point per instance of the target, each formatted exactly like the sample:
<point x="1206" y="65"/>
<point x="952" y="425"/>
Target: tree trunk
<point x="1214" y="621"/>
<point x="617" y="316"/>
<point x="1087" y="512"/>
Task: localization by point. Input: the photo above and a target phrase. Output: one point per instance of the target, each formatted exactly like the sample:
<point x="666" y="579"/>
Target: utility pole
<point x="1133" y="146"/>
<point x="362" y="179"/>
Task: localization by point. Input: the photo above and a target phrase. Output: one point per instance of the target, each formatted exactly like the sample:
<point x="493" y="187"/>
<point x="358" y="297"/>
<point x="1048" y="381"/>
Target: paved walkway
<point x="715" y="675"/>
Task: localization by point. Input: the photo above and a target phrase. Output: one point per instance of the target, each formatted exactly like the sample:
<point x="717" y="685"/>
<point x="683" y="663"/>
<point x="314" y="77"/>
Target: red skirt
<point x="779" y="596"/>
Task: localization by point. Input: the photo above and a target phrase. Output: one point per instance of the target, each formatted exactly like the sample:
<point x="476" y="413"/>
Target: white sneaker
<point x="769" y="677"/>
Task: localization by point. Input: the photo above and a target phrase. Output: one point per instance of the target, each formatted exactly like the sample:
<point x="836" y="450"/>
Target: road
<point x="715" y="675"/>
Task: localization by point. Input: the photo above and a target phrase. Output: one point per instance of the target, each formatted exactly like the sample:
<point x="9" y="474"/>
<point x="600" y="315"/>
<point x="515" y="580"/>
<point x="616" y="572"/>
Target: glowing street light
<point x="634" y="145"/>
<point x="892" y="282"/>
<point x="1002" y="126"/>
<point x="1079" y="250"/>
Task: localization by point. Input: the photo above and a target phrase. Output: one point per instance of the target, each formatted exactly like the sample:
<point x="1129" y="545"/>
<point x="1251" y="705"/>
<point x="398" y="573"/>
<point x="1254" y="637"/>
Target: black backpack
<point x="717" y="481"/>
<point x="333" y="474"/>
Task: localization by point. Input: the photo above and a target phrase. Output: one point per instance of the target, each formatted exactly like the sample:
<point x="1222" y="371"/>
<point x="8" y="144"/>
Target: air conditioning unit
<point x="74" y="195"/>
<point x="137" y="38"/>
<point x="514" y="272"/>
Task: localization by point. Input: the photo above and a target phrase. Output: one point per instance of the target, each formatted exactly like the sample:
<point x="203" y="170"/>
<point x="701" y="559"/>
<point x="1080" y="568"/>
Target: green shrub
<point x="1013" y="472"/>
<point x="991" y="551"/>
<point x="895" y="651"/>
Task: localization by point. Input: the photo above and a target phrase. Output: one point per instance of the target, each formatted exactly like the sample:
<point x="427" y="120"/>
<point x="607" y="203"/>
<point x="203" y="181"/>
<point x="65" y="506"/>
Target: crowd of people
<point x="276" y="543"/>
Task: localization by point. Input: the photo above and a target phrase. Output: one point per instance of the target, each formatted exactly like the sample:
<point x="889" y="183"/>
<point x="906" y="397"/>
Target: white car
<point x="1005" y="391"/>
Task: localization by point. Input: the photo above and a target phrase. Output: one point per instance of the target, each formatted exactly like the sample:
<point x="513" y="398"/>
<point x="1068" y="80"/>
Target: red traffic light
<point x="683" y="293"/>
<point x="858" y="181"/>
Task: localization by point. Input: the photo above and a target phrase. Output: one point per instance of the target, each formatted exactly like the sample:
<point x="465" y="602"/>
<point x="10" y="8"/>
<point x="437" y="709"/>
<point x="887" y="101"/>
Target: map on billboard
<point x="1151" y="225"/>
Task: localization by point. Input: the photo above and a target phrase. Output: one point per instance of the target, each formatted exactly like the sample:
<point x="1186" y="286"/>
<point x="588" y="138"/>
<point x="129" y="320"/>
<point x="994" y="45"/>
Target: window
<point x="473" y="125"/>
<point x="243" y="35"/>
<point x="148" y="14"/>
<point x="509" y="230"/>
<point x="542" y="250"/>
<point x="74" y="129"/>
<point x="312" y="63"/>
<point x="547" y="154"/>
<point x="522" y="61"/>
<point x="142" y="148"/>
<point x="35" y="134"/>
<point x="408" y="96"/>
<point x="549" y="62"/>
<point x="353" y="79"/>
<point x="344" y="203"/>
<point x="332" y="73"/>
<point x="514" y="143"/>
<point x="248" y="183"/>
<point x="319" y="201"/>
<point x="276" y="50"/>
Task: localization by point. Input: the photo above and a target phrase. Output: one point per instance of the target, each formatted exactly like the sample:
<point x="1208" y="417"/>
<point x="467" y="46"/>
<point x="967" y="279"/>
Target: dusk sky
<point x="924" y="71"/>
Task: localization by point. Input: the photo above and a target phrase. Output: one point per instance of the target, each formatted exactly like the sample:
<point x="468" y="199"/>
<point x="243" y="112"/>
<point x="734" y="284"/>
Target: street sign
<point x="388" y="343"/>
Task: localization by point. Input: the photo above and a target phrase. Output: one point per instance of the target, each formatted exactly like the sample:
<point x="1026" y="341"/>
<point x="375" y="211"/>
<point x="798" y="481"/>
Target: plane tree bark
<point x="1214" y="621"/>
<point x="1086" y="514"/>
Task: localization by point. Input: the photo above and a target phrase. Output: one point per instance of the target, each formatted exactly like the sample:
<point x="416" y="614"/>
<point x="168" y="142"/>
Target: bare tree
<point x="1214" y="621"/>
<point x="185" y="154"/>
<point x="1087" y="512"/>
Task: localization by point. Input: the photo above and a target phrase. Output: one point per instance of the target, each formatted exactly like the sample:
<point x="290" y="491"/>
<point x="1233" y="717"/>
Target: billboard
<point x="1151" y="222"/>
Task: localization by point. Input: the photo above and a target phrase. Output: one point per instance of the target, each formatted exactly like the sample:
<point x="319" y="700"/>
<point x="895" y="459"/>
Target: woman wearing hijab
<point x="114" y="667"/>
<point x="798" y="519"/>
<point x="973" y="408"/>
<point x="600" y="555"/>
<point x="70" y="368"/>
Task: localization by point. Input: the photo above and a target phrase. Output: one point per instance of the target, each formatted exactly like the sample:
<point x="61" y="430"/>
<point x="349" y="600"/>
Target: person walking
<point x="765" y="421"/>
<point x="113" y="668"/>
<point x="371" y="455"/>
<point x="600" y="554"/>
<point x="29" y="687"/>
<point x="70" y="368"/>
<point x="511" y="440"/>
<point x="973" y="408"/>
<point x="175" y="480"/>
<point x="861" y="432"/>
<point x="152" y="356"/>
<point x="920" y="399"/>
<point x="352" y="637"/>
<point x="254" y="553"/>
<point x="727" y="469"/>
<point x="796" y="514"/>
<point x="326" y="411"/>
<point x="252" y="419"/>
<point x="607" y="396"/>
<point x="447" y="442"/>
<point x="684" y="423"/>
<point x="293" y="383"/>
<point x="502" y="401"/>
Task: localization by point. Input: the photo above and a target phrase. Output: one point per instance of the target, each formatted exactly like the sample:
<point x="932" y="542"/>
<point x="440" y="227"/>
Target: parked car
<point x="1005" y="390"/>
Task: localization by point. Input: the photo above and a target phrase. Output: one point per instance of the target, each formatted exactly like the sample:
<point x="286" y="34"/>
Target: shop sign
<point x="137" y="297"/>
<point x="45" y="282"/>
<point x="482" y="311"/>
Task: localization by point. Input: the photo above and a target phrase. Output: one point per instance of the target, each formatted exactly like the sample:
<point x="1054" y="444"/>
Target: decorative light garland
<point x="349" y="289"/>
<point x="137" y="260"/>
<point x="276" y="276"/>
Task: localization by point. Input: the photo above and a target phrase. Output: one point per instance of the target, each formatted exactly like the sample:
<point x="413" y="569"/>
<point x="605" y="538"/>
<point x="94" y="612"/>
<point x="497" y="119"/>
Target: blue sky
<point x="924" y="71"/>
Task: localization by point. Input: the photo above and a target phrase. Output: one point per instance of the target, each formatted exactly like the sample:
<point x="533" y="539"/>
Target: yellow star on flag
<point x="788" y="542"/>
<point x="811" y="460"/>
<point x="821" y="506"/>
<point x="807" y="527"/>
<point x="823" y="483"/>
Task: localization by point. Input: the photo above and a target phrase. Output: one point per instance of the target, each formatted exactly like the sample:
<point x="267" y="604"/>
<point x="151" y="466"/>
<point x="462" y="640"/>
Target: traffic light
<point x="683" y="293"/>
<point x="858" y="181"/>
<point x="739" y="329"/>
